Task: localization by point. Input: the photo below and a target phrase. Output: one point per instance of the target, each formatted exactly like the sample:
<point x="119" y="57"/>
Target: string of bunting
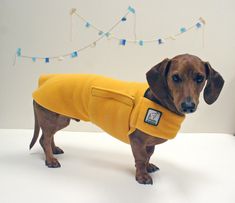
<point x="200" y="23"/>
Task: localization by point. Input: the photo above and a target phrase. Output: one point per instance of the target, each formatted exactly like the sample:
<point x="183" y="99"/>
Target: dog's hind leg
<point x="45" y="141"/>
<point x="55" y="149"/>
<point x="62" y="122"/>
<point x="50" y="122"/>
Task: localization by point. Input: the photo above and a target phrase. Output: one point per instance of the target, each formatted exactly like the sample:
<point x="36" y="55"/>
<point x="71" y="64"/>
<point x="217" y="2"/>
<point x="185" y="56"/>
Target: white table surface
<point x="96" y="168"/>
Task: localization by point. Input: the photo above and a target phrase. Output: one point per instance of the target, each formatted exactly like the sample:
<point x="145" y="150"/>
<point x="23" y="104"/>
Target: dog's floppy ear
<point x="214" y="85"/>
<point x="156" y="78"/>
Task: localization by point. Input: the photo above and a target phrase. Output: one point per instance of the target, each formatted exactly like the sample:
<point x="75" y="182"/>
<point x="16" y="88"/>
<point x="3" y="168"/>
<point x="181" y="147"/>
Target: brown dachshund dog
<point x="174" y="84"/>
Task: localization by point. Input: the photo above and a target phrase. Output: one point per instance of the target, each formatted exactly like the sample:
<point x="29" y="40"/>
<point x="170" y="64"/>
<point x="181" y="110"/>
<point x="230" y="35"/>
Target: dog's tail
<point x="36" y="128"/>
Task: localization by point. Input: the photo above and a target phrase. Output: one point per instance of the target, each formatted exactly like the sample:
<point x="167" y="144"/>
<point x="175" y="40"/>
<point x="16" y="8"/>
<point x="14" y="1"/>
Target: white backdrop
<point x="42" y="28"/>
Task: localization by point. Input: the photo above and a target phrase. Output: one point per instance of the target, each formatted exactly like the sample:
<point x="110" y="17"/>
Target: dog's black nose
<point x="188" y="106"/>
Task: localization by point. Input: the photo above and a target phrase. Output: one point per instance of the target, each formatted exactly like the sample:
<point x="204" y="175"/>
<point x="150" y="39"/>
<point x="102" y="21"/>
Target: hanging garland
<point x="108" y="34"/>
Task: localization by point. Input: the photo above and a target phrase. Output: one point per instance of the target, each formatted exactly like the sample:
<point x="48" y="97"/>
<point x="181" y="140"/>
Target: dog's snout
<point x="188" y="106"/>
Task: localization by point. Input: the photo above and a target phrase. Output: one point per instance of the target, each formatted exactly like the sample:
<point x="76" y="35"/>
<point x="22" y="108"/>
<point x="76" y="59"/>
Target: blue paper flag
<point x="123" y="19"/>
<point x="132" y="10"/>
<point x="160" y="41"/>
<point x="101" y="32"/>
<point x="183" y="29"/>
<point x="88" y="24"/>
<point x="107" y="34"/>
<point x="198" y="25"/>
<point x="47" y="60"/>
<point x="18" y="52"/>
<point x="74" y="54"/>
<point x="123" y="42"/>
<point x="141" y="42"/>
<point x="34" y="59"/>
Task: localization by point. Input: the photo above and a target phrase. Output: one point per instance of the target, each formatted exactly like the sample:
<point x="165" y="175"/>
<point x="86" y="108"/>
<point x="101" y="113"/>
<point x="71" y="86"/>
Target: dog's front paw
<point x="144" y="178"/>
<point x="151" y="168"/>
<point x="52" y="163"/>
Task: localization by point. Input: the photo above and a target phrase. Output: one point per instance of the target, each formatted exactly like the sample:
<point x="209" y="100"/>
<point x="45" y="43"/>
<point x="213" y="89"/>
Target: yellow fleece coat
<point x="116" y="106"/>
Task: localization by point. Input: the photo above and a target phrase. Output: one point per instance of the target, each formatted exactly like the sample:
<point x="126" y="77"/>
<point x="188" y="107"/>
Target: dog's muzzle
<point x="188" y="106"/>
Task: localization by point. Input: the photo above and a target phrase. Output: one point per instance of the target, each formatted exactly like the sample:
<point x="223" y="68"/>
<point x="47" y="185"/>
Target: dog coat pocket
<point x="111" y="111"/>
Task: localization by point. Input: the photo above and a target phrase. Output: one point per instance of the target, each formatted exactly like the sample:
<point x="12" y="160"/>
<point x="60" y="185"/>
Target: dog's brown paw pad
<point x="53" y="163"/>
<point x="57" y="150"/>
<point x="152" y="168"/>
<point x="144" y="179"/>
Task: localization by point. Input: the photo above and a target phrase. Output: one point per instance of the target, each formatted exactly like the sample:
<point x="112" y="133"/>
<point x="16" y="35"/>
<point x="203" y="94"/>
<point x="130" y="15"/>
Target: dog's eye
<point x="199" y="79"/>
<point x="176" y="78"/>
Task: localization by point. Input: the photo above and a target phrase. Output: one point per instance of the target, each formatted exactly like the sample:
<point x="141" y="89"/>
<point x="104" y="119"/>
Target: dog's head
<point x="182" y="79"/>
